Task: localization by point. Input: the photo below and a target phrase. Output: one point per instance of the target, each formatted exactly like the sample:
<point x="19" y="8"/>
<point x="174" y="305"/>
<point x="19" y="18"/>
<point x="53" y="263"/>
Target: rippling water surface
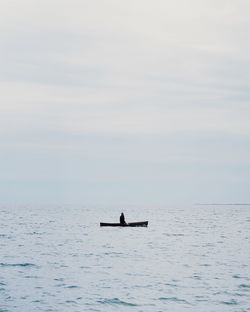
<point x="189" y="258"/>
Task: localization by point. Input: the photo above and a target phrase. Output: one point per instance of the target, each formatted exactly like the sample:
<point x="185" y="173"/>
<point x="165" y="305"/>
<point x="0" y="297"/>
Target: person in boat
<point x="122" y="219"/>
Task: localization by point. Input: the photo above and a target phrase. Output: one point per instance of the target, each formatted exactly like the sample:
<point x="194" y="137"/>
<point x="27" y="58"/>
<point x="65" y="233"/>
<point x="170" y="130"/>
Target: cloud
<point x="111" y="84"/>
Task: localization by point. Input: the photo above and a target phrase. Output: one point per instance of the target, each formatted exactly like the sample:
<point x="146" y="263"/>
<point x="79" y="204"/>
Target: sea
<point x="189" y="258"/>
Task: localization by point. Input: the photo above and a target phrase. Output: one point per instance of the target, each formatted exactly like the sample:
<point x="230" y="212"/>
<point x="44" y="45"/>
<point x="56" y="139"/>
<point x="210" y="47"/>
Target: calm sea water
<point x="188" y="259"/>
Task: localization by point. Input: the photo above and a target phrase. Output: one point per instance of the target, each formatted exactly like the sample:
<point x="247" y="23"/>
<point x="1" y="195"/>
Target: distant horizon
<point x="121" y="204"/>
<point x="223" y="204"/>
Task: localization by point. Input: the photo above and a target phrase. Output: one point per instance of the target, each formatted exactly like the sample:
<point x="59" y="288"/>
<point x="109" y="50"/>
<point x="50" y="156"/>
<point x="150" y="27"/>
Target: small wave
<point x="230" y="302"/>
<point x="244" y="286"/>
<point x="117" y="301"/>
<point x="60" y="279"/>
<point x="60" y="285"/>
<point x="32" y="276"/>
<point x="70" y="301"/>
<point x="35" y="233"/>
<point x="201" y="298"/>
<point x="110" y="253"/>
<point x="197" y="277"/>
<point x="171" y="284"/>
<point x="173" y="234"/>
<point x="26" y="264"/>
<point x="236" y="276"/>
<point x="5" y="236"/>
<point x="241" y="277"/>
<point x="174" y="299"/>
<point x="72" y="286"/>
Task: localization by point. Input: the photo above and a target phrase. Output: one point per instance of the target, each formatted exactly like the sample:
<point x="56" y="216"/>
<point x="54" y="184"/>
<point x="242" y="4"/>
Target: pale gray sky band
<point x="124" y="101"/>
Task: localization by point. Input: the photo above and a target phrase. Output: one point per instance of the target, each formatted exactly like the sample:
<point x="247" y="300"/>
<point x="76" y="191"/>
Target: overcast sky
<point x="135" y="101"/>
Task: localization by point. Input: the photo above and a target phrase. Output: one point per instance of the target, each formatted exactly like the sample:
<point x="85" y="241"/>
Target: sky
<point x="124" y="102"/>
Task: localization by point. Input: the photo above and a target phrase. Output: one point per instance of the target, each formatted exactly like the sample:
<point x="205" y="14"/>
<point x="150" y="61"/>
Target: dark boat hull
<point x="133" y="224"/>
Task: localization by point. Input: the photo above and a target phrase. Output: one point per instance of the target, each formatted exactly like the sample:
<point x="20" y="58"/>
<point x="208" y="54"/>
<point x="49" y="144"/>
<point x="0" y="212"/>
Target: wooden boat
<point x="133" y="224"/>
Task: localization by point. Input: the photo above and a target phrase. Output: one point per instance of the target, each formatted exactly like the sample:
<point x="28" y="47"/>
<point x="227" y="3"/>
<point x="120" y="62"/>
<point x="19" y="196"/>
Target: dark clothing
<point x="122" y="219"/>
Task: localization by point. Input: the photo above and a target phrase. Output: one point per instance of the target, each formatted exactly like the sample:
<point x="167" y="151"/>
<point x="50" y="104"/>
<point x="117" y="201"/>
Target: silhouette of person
<point x="122" y="219"/>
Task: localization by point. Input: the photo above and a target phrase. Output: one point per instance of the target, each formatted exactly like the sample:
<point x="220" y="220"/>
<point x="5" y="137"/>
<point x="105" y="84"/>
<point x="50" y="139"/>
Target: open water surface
<point x="188" y="259"/>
